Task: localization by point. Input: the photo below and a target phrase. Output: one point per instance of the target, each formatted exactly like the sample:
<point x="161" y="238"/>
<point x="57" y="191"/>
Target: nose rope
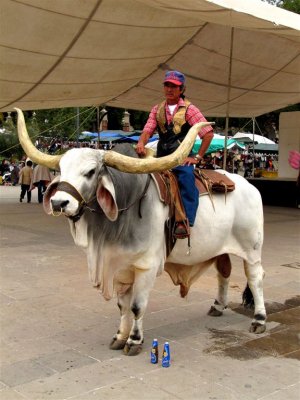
<point x="70" y="189"/>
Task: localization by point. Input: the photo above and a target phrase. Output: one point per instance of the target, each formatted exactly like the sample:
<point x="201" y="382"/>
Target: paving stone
<point x="11" y="394"/>
<point x="22" y="372"/>
<point x="29" y="349"/>
<point x="65" y="360"/>
<point x="127" y="390"/>
<point x="291" y="393"/>
<point x="74" y="382"/>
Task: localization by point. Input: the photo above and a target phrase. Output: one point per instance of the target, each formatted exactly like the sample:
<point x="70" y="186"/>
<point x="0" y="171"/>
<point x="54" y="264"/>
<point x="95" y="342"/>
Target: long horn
<point x="147" y="165"/>
<point x="30" y="150"/>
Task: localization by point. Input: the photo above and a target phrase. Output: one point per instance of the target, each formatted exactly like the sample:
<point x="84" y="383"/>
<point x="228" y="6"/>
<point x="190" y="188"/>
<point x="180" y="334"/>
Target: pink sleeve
<point x="151" y="123"/>
<point x="294" y="159"/>
<point x="193" y="116"/>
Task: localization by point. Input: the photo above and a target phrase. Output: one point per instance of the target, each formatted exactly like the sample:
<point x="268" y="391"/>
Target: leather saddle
<point x="210" y="181"/>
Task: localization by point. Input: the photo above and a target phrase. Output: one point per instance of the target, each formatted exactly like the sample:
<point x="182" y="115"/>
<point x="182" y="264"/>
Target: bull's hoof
<point x="132" y="349"/>
<point x="213" y="312"/>
<point x="257" y="328"/>
<point x="117" y="344"/>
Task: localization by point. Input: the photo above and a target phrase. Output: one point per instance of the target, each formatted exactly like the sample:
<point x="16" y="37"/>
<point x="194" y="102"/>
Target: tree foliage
<point x="289" y="5"/>
<point x="61" y="124"/>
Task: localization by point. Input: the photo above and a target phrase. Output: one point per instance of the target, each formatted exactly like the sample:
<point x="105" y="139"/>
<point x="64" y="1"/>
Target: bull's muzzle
<point x="59" y="206"/>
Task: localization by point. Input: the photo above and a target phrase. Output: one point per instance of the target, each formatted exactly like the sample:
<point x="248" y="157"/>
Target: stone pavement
<point x="55" y="328"/>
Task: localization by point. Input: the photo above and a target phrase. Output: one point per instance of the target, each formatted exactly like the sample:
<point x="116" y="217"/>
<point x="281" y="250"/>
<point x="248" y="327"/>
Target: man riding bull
<point x="173" y="118"/>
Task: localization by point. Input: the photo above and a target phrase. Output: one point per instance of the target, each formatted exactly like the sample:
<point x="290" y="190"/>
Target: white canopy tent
<point x="250" y="137"/>
<point x="241" y="57"/>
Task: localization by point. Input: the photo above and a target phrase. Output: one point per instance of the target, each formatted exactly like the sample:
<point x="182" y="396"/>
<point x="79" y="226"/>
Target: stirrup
<point x="181" y="230"/>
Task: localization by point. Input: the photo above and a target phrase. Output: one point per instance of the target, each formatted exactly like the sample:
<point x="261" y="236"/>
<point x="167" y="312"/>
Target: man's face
<point x="172" y="92"/>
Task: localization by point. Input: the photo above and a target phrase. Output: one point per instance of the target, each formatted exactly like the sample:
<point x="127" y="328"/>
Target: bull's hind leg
<point x="248" y="300"/>
<point x="120" y="338"/>
<point x="223" y="265"/>
<point x="255" y="275"/>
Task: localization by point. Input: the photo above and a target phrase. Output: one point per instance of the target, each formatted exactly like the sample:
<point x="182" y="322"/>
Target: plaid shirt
<point x="192" y="116"/>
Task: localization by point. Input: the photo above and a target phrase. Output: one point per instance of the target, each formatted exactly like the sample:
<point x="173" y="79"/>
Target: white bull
<point x="119" y="220"/>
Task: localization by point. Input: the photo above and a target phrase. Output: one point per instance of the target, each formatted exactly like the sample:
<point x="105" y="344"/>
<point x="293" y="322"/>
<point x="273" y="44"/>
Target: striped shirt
<point x="192" y="116"/>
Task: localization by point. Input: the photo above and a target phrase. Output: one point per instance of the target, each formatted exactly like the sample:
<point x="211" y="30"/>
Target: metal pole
<point x="101" y="117"/>
<point x="98" y="128"/>
<point x="228" y="100"/>
<point x="225" y="142"/>
<point x="77" y="125"/>
<point x="253" y="131"/>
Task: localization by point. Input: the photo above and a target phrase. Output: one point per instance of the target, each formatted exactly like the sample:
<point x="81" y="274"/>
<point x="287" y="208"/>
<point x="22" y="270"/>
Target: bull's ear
<point x="50" y="191"/>
<point x="106" y="198"/>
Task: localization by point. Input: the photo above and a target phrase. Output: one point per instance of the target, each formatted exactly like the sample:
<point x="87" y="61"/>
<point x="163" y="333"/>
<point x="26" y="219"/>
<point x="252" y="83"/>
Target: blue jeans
<point x="189" y="192"/>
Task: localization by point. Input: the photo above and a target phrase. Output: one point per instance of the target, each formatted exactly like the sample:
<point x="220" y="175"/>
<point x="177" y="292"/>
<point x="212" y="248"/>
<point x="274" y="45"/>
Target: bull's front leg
<point x="120" y="338"/>
<point x="143" y="283"/>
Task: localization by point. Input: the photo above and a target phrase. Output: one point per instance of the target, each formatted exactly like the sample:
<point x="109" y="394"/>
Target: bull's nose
<point x="58" y="205"/>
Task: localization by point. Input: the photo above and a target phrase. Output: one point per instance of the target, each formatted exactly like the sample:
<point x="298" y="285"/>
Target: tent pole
<point x="77" y="126"/>
<point x="253" y="154"/>
<point x="98" y="128"/>
<point x="228" y="100"/>
<point x="225" y="142"/>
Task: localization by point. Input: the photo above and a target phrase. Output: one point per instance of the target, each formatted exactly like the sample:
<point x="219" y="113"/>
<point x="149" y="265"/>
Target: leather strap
<point x="70" y="189"/>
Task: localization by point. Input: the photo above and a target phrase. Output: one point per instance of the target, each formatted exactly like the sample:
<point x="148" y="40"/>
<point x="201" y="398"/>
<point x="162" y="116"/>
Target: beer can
<point x="154" y="352"/>
<point x="166" y="359"/>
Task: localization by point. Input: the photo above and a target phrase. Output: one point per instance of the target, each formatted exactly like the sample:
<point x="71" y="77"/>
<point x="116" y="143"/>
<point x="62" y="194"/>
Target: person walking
<point x="25" y="181"/>
<point x="173" y="118"/>
<point x="40" y="178"/>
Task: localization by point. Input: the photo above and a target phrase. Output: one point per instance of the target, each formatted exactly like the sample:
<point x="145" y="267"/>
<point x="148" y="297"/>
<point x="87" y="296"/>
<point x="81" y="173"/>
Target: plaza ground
<point x="56" y="328"/>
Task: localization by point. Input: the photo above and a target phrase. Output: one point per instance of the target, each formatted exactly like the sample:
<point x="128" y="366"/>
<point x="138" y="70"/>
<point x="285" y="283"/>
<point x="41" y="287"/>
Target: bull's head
<point x="80" y="168"/>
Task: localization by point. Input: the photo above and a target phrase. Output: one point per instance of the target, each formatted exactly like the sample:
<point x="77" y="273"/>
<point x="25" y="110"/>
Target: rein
<point x="83" y="204"/>
<point x="139" y="199"/>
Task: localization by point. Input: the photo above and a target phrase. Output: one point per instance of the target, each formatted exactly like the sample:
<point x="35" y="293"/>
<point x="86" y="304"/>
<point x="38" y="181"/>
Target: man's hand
<point x="140" y="149"/>
<point x="191" y="161"/>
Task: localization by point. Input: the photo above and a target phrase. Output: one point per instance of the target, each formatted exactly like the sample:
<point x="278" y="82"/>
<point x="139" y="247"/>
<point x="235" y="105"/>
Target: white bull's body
<point x="126" y="252"/>
<point x="234" y="225"/>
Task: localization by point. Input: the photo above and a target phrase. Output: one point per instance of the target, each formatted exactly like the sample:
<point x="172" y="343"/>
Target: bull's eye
<point x="90" y="173"/>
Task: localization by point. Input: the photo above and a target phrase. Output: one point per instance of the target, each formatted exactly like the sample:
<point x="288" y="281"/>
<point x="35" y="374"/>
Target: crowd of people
<point x="243" y="163"/>
<point x="55" y="145"/>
